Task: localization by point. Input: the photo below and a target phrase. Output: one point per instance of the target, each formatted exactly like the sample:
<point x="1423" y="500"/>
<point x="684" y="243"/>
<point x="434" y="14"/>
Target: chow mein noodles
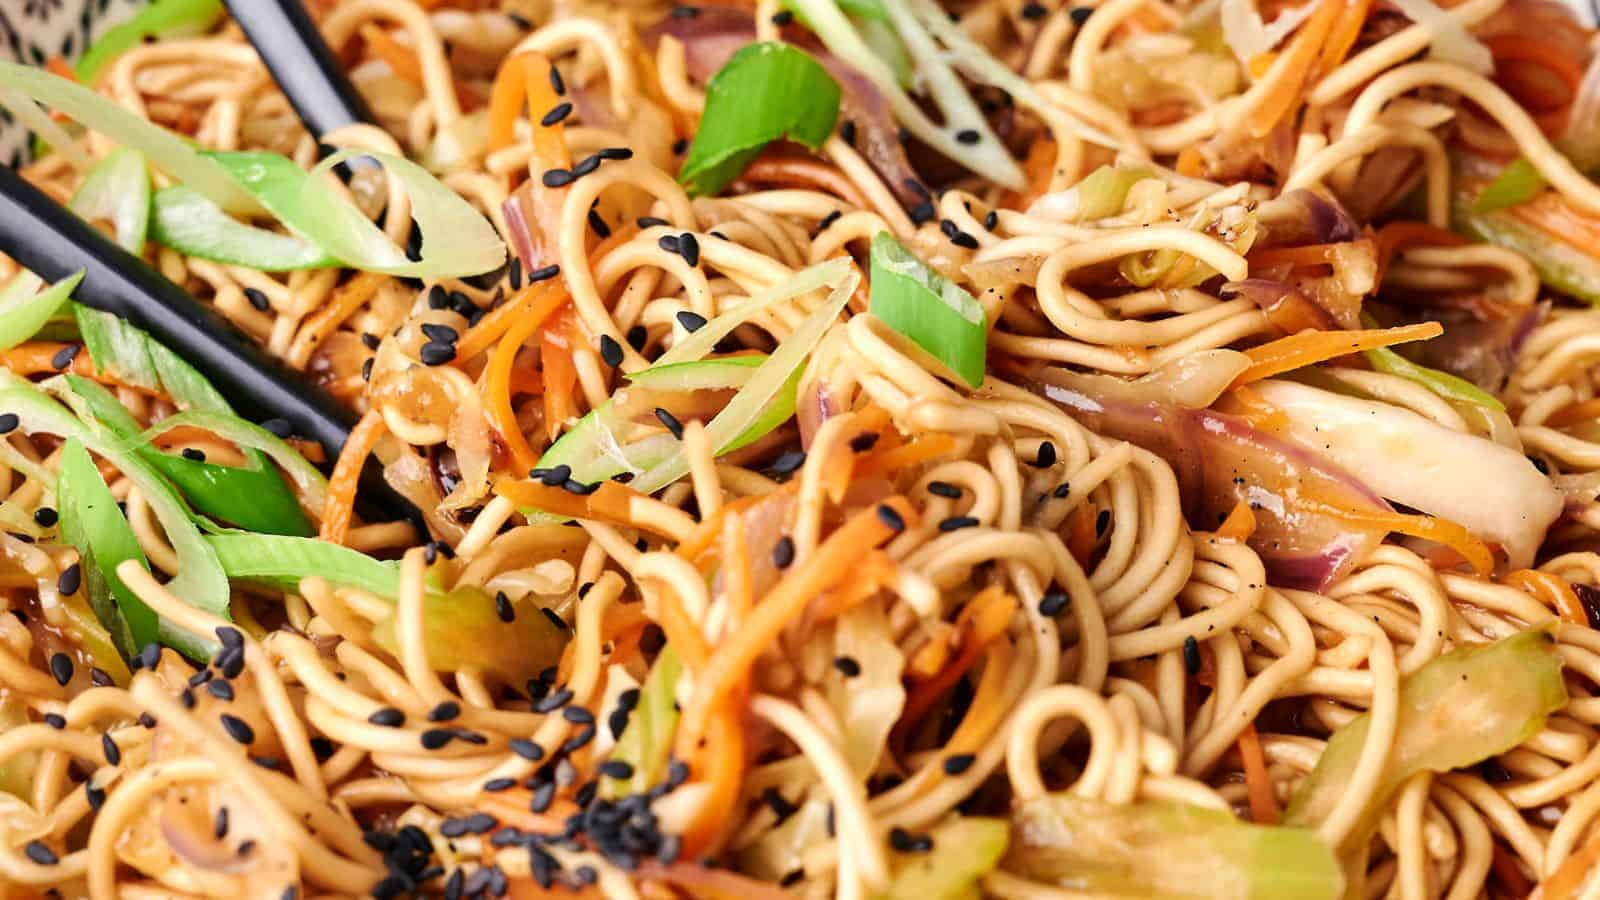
<point x="867" y="448"/>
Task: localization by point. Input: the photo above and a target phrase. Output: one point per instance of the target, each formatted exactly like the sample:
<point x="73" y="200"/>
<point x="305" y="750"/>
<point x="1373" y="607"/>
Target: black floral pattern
<point x="32" y="31"/>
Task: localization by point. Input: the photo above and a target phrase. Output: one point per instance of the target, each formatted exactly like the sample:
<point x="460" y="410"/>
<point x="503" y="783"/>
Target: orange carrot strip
<point x="874" y="573"/>
<point x="1551" y="590"/>
<point x="1284" y="91"/>
<point x="736" y="567"/>
<point x="38" y="358"/>
<point x="560" y="374"/>
<point x="1080" y="534"/>
<point x="339" y="508"/>
<point x="1309" y="347"/>
<point x="1582" y="411"/>
<point x="830" y="564"/>
<point x="1344" y="35"/>
<point x="497" y="384"/>
<point x="1258" y="784"/>
<point x="402" y="59"/>
<point x="1037" y="168"/>
<point x="1310" y="255"/>
<point x="1430" y="528"/>
<point x="59" y="67"/>
<point x="721" y="766"/>
<point x="1240" y="524"/>
<point x="984" y="619"/>
<point x="903" y="457"/>
<point x="482" y="336"/>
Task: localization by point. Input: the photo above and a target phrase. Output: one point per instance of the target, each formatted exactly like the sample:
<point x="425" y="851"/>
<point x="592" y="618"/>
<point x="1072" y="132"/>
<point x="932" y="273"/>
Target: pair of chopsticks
<point x="54" y="243"/>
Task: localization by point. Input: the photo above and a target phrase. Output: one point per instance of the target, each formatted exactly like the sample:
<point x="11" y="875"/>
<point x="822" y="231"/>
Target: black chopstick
<point x="46" y="238"/>
<point x="301" y="63"/>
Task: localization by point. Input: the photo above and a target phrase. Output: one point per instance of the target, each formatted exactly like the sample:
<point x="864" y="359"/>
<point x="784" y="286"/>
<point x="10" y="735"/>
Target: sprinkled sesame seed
<point x="229" y="636"/>
<point x="944" y="489"/>
<point x="1102" y="522"/>
<point x="610" y="350"/>
<point x="108" y="747"/>
<point x="685" y="12"/>
<point x="557" y="84"/>
<point x="580" y="740"/>
<point x="783" y="552"/>
<point x="991" y="220"/>
<point x="219" y="826"/>
<point x="829" y="219"/>
<point x="557" y="114"/>
<point x="670" y="422"/>
<point x="444" y="712"/>
<point x="71" y="579"/>
<point x="554" y="701"/>
<point x="864" y="441"/>
<point x="890" y="517"/>
<point x="230" y="661"/>
<point x="434" y="738"/>
<point x="443" y="334"/>
<point x="557" y="178"/>
<point x="55" y="720"/>
<point x="434" y="353"/>
<point x="543" y="274"/>
<point x="616" y="768"/>
<point x="514" y="273"/>
<point x="64" y="357"/>
<point x="527" y="749"/>
<point x="782" y="18"/>
<point x="968" y="136"/>
<point x="689" y="248"/>
<point x="496" y="785"/>
<point x="9" y="422"/>
<point x="1062" y="490"/>
<point x="1046" y="457"/>
<point x="503" y="607"/>
<point x="598" y="225"/>
<point x="960" y="762"/>
<point x="1191" y="655"/>
<point x="96" y="795"/>
<point x="100" y="677"/>
<point x="257" y="299"/>
<point x="555" y="618"/>
<point x="577" y="715"/>
<point x="585" y="166"/>
<point x="1080" y="14"/>
<point x="847" y="132"/>
<point x="40" y="854"/>
<point x="61" y="668"/>
<point x="1053" y="602"/>
<point x="1033" y="11"/>
<point x="847" y="666"/>
<point x="194" y="455"/>
<point x="221" y="689"/>
<point x="238" y="729"/>
<point x="906" y="842"/>
<point x="956" y="523"/>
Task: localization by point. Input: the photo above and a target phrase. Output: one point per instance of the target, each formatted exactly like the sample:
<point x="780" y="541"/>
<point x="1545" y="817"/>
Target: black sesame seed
<point x="109" y="748"/>
<point x="557" y="114"/>
<point x="496" y="785"/>
<point x="503" y="607"/>
<point x="964" y="241"/>
<point x="55" y="720"/>
<point x="616" y="768"/>
<point x="321" y="748"/>
<point x="1102" y="522"/>
<point x="906" y="842"/>
<point x="230" y="661"/>
<point x="577" y="715"/>
<point x="1033" y="11"/>
<point x="580" y="740"/>
<point x="1191" y="655"/>
<point x="1061" y="491"/>
<point x="257" y="299"/>
<point x="219" y="826"/>
<point x="829" y="219"/>
<point x="557" y="178"/>
<point x="1053" y="602"/>
<point x="70" y="580"/>
<point x="434" y="738"/>
<point x="46" y="517"/>
<point x="444" y="712"/>
<point x="1046" y="457"/>
<point x="1080" y="14"/>
<point x="955" y="765"/>
<point x="783" y="552"/>
<point x="220" y="688"/>
<point x="40" y="854"/>
<point x="557" y="84"/>
<point x="788" y="462"/>
<point x="366" y="369"/>
<point x="864" y="441"/>
<point x="9" y="422"/>
<point x="146" y="720"/>
<point x="554" y="701"/>
<point x="944" y="489"/>
<point x="543" y="274"/>
<point x="95" y="795"/>
<point x="194" y="455"/>
<point x="437" y="298"/>
<point x="514" y="273"/>
<point x="691" y="321"/>
<point x="922" y="213"/>
<point x="238" y="729"/>
<point x="434" y="353"/>
<point x="888" y="516"/>
<point x="956" y="523"/>
<point x="100" y="677"/>
<point x="610" y="350"/>
<point x="968" y="136"/>
<point x="670" y="422"/>
<point x="442" y="334"/>
<point x="782" y="18"/>
<point x="585" y="166"/>
<point x="555" y="618"/>
<point x="991" y="220"/>
<point x="61" y="668"/>
<point x="64" y="357"/>
<point x="229" y="636"/>
<point x="847" y="666"/>
<point x="689" y="249"/>
<point x="527" y="749"/>
<point x="792" y="877"/>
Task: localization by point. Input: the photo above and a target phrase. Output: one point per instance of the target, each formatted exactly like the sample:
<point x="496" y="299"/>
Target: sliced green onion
<point x="767" y="91"/>
<point x="924" y="306"/>
<point x="279" y="562"/>
<point x="1456" y="711"/>
<point x="1159" y="848"/>
<point x="171" y="153"/>
<point x="646" y="742"/>
<point x="1444" y="384"/>
<point x="92" y="522"/>
<point x="24" y="308"/>
<point x="253" y="496"/>
<point x="705" y="338"/>
<point x="760" y="400"/>
<point x="1104" y="191"/>
<point x="200" y="582"/>
<point x="1517" y="183"/>
<point x="118" y="191"/>
<point x="162" y="18"/>
<point x="965" y="849"/>
<point x="185" y="220"/>
<point x="881" y="38"/>
<point x="726" y="373"/>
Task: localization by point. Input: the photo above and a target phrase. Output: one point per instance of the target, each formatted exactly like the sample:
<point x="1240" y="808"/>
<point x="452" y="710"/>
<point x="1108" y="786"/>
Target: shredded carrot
<point x="1309" y="347"/>
<point x="339" y="508"/>
<point x="1191" y="162"/>
<point x="873" y="574"/>
<point x="1573" y="414"/>
<point x="38" y="358"/>
<point x="1263" y="800"/>
<point x="511" y="808"/>
<point x="402" y="59"/>
<point x="1551" y="213"/>
<point x="1551" y="590"/>
<point x="482" y="336"/>
<point x="794" y="171"/>
<point x="719" y="764"/>
<point x="1080" y="534"/>
<point x="831" y="563"/>
<point x="1399" y="235"/>
<point x="736" y="568"/>
<point x="1284" y="91"/>
<point x="556" y="341"/>
<point x="1038" y="167"/>
<point x="982" y="620"/>
<point x="524" y="82"/>
<point x="59" y="67"/>
<point x="1240" y="524"/>
<point x="988" y="706"/>
<point x="1430" y="528"/>
<point x="497" y="383"/>
<point x="351" y="296"/>
<point x="1344" y="35"/>
<point x="905" y="456"/>
<point x="609" y="503"/>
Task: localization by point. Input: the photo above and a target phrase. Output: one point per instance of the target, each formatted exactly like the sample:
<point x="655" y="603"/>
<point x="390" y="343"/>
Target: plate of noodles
<point x="867" y="448"/>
